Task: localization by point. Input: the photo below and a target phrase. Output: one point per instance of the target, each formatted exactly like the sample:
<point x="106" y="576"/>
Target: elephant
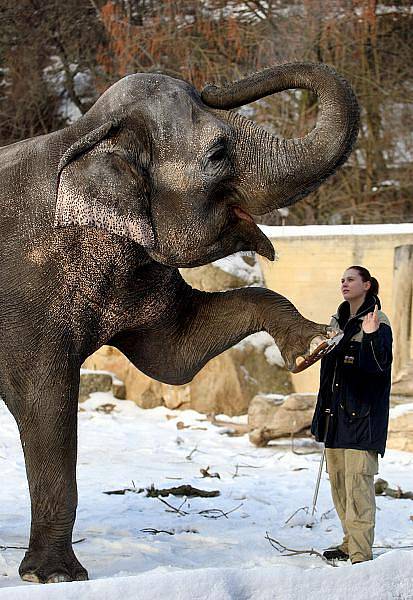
<point x="96" y="220"/>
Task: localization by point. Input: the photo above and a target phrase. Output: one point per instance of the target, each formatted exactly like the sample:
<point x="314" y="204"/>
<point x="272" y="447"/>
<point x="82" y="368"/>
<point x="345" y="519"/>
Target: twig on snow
<point x="209" y="513"/>
<point x="382" y="488"/>
<point x="153" y="531"/>
<point x="292" y="552"/>
<point x="189" y="457"/>
<point x="237" y="467"/>
<point x="206" y="473"/>
<point x="181" y="490"/>
<point x="173" y="508"/>
<point x="304" y="508"/>
<point x="123" y="491"/>
<point x="217" y="513"/>
<point x="324" y="515"/>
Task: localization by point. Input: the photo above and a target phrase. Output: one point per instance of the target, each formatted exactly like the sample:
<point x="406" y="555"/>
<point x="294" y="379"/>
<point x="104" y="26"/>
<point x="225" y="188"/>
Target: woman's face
<point x="352" y="285"/>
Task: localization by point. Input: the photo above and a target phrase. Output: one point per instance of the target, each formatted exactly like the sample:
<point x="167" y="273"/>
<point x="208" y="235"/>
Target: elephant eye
<point x="217" y="153"/>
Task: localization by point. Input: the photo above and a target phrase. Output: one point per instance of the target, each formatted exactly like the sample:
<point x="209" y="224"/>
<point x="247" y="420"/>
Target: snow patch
<point x="263" y="342"/>
<point x="400" y="409"/>
<point x="204" y="558"/>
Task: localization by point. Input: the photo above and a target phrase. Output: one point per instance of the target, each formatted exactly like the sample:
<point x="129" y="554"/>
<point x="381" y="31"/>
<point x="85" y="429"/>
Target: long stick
<point x="320" y="470"/>
<point x="317" y="487"/>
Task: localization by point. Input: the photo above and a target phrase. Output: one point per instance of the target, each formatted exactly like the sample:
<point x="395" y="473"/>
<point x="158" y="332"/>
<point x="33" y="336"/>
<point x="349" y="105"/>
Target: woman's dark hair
<point x="365" y="275"/>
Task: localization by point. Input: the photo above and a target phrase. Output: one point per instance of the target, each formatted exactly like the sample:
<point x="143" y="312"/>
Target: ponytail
<point x="365" y="275"/>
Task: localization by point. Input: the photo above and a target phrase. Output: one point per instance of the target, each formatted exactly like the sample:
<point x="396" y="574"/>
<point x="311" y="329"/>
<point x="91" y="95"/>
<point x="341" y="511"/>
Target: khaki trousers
<point x="351" y="475"/>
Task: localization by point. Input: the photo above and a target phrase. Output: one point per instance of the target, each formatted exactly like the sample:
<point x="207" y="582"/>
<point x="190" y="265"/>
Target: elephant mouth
<point x="250" y="234"/>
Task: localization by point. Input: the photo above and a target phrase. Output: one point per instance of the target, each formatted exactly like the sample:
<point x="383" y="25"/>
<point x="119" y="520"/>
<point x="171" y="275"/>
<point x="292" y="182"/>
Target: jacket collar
<point x="343" y="312"/>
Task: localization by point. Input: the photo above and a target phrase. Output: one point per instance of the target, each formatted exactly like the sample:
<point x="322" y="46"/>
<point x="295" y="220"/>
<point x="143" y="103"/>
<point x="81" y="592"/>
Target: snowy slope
<point x="200" y="557"/>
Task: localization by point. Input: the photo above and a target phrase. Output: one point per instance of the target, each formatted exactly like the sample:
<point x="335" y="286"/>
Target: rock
<point x="93" y="381"/>
<point x="226" y="384"/>
<point x="227" y="273"/>
<point x="209" y="278"/>
<point x="136" y="383"/>
<point x="151" y="397"/>
<point x="271" y="416"/>
<point x="118" y="388"/>
<point x="403" y="385"/>
<point x="400" y="435"/>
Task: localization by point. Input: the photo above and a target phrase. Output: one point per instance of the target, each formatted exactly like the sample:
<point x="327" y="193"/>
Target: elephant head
<point x="177" y="172"/>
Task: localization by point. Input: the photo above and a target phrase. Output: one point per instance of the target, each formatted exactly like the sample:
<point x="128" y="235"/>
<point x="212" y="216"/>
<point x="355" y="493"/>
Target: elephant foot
<point x="51" y="567"/>
<point x="319" y="347"/>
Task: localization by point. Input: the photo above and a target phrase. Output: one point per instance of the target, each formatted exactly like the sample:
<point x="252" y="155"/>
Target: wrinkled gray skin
<point x="95" y="221"/>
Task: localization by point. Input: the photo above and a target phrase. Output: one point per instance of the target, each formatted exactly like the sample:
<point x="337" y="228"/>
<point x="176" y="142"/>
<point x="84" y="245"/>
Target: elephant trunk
<point x="276" y="172"/>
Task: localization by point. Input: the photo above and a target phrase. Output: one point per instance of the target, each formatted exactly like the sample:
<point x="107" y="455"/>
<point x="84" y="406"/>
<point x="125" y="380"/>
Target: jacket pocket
<point x="355" y="429"/>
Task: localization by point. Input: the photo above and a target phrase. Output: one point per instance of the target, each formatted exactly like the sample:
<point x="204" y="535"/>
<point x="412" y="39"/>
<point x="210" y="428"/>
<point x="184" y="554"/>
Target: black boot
<point x="335" y="554"/>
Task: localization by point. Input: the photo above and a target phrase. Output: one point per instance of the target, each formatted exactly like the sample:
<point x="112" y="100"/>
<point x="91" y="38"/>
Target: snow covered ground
<point x="197" y="556"/>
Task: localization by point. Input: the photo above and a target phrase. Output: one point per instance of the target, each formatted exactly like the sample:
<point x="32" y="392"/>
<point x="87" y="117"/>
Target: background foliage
<point x="57" y="57"/>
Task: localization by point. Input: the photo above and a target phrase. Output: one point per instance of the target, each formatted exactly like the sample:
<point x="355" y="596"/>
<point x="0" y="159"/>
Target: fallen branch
<point x="209" y="513"/>
<point x="382" y="488"/>
<point x="181" y="490"/>
<point x="206" y="473"/>
<point x="173" y="508"/>
<point x="217" y="513"/>
<point x="123" y="491"/>
<point x="292" y="552"/>
<point x="153" y="531"/>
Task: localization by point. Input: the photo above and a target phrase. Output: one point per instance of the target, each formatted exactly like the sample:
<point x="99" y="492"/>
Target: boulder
<point x="100" y="381"/>
<point x="211" y="279"/>
<point x="225" y="385"/>
<point x="94" y="381"/>
<point x="227" y="273"/>
<point x="136" y="383"/>
<point x="400" y="435"/>
<point x="118" y="388"/>
<point x="272" y="416"/>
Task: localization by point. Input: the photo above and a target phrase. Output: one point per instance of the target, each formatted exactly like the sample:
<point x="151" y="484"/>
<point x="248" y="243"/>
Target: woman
<point x="351" y="415"/>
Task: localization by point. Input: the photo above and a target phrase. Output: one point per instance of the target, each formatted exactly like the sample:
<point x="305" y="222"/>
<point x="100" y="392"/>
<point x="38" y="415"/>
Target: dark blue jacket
<point x="355" y="381"/>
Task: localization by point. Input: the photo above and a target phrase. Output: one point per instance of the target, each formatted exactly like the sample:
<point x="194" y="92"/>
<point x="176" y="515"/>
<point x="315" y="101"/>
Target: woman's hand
<point x="371" y="321"/>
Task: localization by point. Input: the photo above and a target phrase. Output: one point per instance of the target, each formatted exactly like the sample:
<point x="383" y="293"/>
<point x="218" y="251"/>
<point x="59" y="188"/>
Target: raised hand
<point x="371" y="321"/>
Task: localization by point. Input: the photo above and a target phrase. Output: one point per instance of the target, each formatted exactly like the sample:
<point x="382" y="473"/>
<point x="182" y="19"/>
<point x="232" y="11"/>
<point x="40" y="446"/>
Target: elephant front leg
<point x="49" y="438"/>
<point x="206" y="324"/>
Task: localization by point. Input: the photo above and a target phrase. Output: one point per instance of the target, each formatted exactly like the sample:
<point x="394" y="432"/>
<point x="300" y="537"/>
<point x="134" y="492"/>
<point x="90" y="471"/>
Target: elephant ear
<point x="99" y="186"/>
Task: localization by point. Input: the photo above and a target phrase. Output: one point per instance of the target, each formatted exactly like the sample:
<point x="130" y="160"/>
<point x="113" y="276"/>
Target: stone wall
<point x="310" y="266"/>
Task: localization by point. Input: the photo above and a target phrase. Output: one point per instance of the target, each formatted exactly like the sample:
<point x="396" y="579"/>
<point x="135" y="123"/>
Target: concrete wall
<point x="310" y="266"/>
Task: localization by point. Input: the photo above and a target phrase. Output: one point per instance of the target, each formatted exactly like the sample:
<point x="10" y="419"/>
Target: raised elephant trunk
<point x="277" y="172"/>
